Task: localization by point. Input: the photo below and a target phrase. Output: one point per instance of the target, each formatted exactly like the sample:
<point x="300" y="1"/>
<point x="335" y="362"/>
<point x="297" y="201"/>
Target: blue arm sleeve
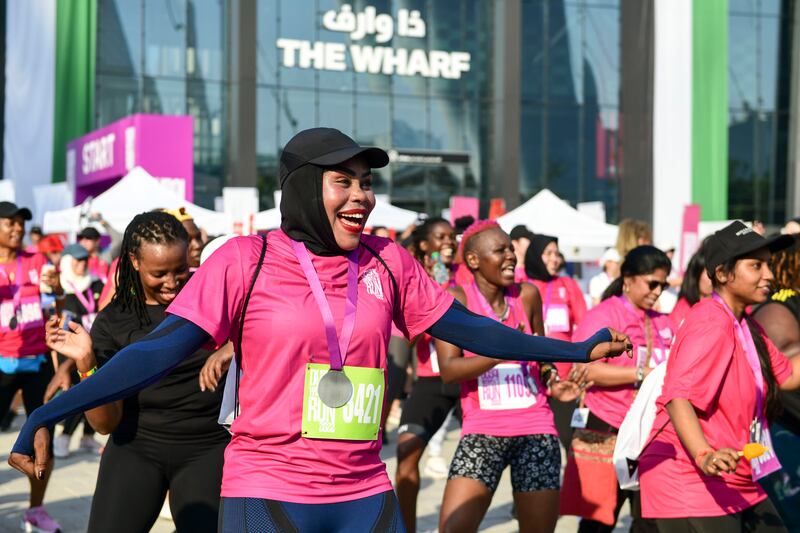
<point x="482" y="335"/>
<point x="135" y="367"/>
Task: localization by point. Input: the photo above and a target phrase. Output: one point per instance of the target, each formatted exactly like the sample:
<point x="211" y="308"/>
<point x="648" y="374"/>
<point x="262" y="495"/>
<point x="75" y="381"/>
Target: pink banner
<point x="690" y="235"/>
<point x="160" y="144"/>
<point x="462" y="206"/>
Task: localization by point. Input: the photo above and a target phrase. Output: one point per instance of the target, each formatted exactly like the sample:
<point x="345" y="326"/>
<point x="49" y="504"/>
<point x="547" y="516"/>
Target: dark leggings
<point x="761" y="518"/>
<point x="134" y="479"/>
<point x="639" y="525"/>
<point x="379" y="513"/>
<point x="32" y="384"/>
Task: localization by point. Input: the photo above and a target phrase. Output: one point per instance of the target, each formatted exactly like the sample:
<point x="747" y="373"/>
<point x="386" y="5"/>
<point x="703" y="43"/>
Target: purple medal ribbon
<point x="337" y="346"/>
<point x="86" y="300"/>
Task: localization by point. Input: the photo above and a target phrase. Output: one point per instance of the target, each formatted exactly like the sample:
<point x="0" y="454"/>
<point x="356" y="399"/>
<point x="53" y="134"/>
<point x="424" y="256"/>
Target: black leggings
<point x="761" y="518"/>
<point x="134" y="479"/>
<point x="32" y="384"/>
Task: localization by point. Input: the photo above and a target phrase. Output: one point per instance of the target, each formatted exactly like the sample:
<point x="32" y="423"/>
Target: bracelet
<point x="84" y="375"/>
<point x="702" y="453"/>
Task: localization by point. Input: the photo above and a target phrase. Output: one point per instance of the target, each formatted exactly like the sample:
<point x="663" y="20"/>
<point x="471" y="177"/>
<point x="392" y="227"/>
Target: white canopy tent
<point x="135" y="193"/>
<point x="580" y="236"/>
<point x="384" y="214"/>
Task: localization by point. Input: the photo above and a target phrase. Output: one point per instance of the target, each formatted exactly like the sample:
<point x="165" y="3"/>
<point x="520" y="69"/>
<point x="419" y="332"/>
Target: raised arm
<point x="482" y="335"/>
<point x="133" y="368"/>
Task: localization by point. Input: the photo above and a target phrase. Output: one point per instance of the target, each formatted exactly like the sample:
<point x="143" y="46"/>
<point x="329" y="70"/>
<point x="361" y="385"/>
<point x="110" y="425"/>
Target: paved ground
<point x="72" y="484"/>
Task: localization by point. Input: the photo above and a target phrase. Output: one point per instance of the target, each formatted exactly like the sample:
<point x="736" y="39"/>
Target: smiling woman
<point x="720" y="395"/>
<point x="317" y="294"/>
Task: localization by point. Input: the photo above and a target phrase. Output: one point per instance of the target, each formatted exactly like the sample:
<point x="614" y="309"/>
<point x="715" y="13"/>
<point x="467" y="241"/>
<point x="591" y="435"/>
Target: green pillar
<point x="710" y="108"/>
<point x="76" y="33"/>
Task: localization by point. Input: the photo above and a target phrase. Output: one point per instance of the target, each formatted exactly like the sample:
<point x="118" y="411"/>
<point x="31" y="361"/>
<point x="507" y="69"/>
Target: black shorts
<point x="426" y="408"/>
<point x="535" y="461"/>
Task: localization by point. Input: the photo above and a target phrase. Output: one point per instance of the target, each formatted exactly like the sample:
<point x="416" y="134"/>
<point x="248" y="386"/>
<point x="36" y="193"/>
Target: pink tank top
<point x="509" y="400"/>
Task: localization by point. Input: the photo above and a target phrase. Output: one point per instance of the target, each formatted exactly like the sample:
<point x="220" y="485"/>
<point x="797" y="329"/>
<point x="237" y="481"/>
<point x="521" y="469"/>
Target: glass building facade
<point x="175" y="57"/>
<point x="171" y="56"/>
<point x="758" y="113"/>
<point x="168" y="57"/>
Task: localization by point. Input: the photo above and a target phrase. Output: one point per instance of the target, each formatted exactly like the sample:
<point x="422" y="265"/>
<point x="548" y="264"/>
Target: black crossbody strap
<point x="238" y="354"/>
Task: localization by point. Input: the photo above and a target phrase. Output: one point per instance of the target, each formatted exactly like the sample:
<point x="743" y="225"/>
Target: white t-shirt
<point x="598" y="284"/>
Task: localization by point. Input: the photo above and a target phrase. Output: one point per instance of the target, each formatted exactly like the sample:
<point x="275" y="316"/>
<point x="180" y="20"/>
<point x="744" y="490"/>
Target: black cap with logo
<point x="325" y="147"/>
<point x="10" y="210"/>
<point x="737" y="240"/>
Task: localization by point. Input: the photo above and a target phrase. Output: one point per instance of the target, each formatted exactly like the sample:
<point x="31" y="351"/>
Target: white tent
<point x="384" y="214"/>
<point x="135" y="193"/>
<point x="580" y="236"/>
<point x="269" y="219"/>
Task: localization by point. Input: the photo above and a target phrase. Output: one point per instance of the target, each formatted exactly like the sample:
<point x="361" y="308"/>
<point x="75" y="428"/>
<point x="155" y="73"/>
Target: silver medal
<point x="335" y="389"/>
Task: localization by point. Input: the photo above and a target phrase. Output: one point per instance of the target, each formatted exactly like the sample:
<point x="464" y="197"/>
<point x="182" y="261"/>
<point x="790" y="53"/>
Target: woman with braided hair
<point x="165" y="437"/>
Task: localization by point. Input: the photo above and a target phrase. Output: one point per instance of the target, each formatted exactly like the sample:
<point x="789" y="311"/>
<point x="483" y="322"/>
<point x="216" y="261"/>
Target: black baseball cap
<point x="10" y="210"/>
<point x="736" y="240"/>
<point x="89" y="233"/>
<point x="325" y="147"/>
<point x="520" y="232"/>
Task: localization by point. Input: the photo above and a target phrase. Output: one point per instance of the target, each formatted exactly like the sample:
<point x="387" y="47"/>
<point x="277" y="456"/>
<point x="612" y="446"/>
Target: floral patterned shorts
<point x="535" y="461"/>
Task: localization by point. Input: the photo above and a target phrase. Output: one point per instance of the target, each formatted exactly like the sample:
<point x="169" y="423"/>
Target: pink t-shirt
<point x="709" y="368"/>
<point x="534" y="420"/>
<point x="27" y="338"/>
<point x="679" y="312"/>
<point x="611" y="404"/>
<point x="563" y="291"/>
<point x="283" y="331"/>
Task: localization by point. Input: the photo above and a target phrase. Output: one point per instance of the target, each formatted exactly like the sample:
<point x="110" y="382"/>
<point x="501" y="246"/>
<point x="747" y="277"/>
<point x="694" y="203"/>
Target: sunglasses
<point x="653" y="284"/>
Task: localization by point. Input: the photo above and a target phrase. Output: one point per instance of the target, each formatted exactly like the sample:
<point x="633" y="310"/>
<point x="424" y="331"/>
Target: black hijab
<point x="303" y="216"/>
<point x="534" y="266"/>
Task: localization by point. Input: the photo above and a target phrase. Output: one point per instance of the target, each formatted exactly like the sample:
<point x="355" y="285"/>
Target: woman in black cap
<point x="309" y="309"/>
<point x="720" y="393"/>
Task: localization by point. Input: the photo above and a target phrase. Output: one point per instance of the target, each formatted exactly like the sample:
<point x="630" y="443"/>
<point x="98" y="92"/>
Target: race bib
<point x="557" y="320"/>
<point x="358" y="419"/>
<point x="434" y="358"/>
<point x="505" y="387"/>
<point x="766" y="463"/>
<point x="580" y="417"/>
<point x="29" y="314"/>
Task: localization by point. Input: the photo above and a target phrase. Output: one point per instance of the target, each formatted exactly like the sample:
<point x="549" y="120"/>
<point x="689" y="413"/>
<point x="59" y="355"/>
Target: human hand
<point x="49" y="277"/>
<point x="718" y="462"/>
<point x="619" y="344"/>
<point x="216" y="365"/>
<point x="75" y="343"/>
<point x="571" y="388"/>
<point x="34" y="467"/>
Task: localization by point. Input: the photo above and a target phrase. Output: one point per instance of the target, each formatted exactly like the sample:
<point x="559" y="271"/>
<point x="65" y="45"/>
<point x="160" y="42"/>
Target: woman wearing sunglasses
<point x="590" y="484"/>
